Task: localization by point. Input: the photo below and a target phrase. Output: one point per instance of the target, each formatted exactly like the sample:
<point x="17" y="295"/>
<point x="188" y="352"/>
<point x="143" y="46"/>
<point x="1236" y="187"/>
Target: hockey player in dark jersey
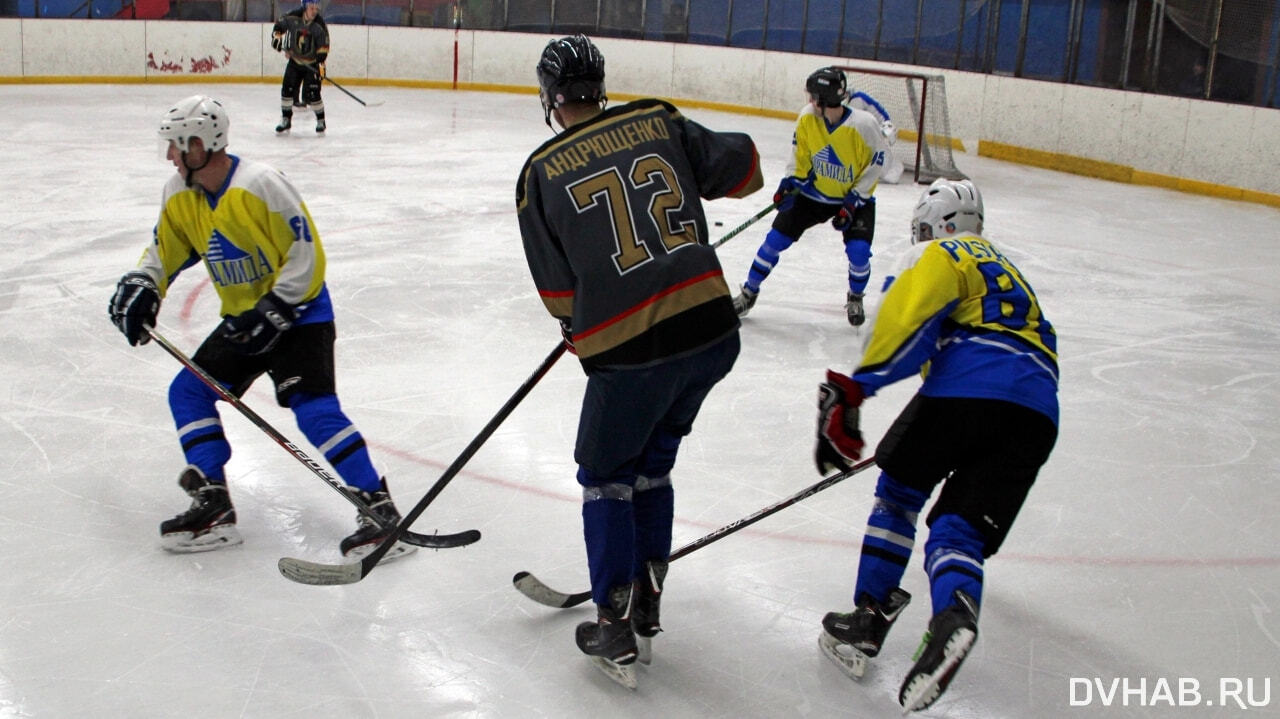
<point x="616" y="240"/>
<point x="303" y="37"/>
<point x="248" y="226"/>
<point x="982" y="424"/>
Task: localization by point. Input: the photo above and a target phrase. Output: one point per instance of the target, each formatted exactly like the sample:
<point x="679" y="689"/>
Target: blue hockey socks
<point x="953" y="560"/>
<point x="890" y="537"/>
<point x="766" y="258"/>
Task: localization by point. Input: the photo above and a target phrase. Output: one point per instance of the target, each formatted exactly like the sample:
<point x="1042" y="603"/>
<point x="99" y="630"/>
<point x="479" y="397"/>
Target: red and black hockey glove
<point x="844" y="218"/>
<point x="839" y="439"/>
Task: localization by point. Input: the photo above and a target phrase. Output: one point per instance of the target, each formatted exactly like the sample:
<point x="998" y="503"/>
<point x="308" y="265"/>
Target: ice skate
<point x="369" y="534"/>
<point x="851" y="639"/>
<point x="854" y="309"/>
<point x="610" y="641"/>
<point x="745" y="300"/>
<point x="644" y="616"/>
<point x="320" y="126"/>
<point x="286" y="122"/>
<point x="209" y="524"/>
<point x="951" y="635"/>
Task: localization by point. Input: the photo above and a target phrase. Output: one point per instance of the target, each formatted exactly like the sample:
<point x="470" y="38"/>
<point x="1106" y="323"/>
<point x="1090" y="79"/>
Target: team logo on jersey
<point x="827" y="164"/>
<point x="230" y="265"/>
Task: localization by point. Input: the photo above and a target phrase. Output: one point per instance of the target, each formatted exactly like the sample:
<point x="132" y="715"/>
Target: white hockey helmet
<point x="947" y="208"/>
<point x="197" y="116"/>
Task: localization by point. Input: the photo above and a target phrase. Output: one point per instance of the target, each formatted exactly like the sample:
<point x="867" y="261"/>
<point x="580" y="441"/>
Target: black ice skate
<point x="209" y="524"/>
<point x="853" y="638"/>
<point x="610" y="642"/>
<point x="286" y="122"/>
<point x="951" y="635"/>
<point x="369" y="534"/>
<point x="320" y="126"/>
<point x="854" y="309"/>
<point x="745" y="300"/>
<point x="644" y="615"/>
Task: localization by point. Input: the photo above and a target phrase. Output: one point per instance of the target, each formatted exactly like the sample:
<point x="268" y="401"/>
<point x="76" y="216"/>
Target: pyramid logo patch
<point x="229" y="265"/>
<point x="827" y="164"/>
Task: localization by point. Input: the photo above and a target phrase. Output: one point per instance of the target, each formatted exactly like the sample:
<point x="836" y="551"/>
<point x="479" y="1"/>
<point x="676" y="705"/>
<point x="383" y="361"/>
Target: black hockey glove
<point x="566" y="331"/>
<point x="839" y="439"/>
<point x="257" y="331"/>
<point x="134" y="307"/>
<point x="844" y="218"/>
<point x="277" y="41"/>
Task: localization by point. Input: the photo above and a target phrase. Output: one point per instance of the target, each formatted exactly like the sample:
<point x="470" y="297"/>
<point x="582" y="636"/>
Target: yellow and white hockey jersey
<point x="254" y="236"/>
<point x="849" y="155"/>
<point x="964" y="316"/>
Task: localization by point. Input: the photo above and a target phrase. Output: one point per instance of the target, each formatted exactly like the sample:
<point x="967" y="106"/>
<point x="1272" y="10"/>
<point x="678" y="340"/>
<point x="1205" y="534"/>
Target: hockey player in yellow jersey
<point x="247" y="224"/>
<point x="839" y="154"/>
<point x="980" y="427"/>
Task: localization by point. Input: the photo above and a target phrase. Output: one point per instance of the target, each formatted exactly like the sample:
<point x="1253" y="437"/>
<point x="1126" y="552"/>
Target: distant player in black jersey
<point x="616" y="239"/>
<point x="304" y="38"/>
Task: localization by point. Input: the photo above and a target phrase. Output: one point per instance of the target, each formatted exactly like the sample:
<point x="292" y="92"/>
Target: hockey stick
<point x="750" y="221"/>
<point x="438" y="541"/>
<point x="533" y="588"/>
<point x="305" y="572"/>
<point x="326" y="78"/>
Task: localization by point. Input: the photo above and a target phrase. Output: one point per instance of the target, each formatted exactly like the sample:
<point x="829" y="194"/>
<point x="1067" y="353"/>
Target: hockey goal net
<point x="917" y="106"/>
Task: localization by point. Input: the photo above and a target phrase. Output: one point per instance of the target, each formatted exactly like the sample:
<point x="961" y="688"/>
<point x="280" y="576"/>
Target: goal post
<point x="917" y="105"/>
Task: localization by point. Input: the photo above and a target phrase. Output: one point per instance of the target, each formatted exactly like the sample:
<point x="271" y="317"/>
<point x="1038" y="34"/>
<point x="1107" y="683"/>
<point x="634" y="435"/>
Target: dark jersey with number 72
<point x="615" y="234"/>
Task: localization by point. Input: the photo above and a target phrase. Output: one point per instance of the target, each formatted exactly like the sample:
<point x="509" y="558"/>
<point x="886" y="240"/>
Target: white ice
<point x="1147" y="551"/>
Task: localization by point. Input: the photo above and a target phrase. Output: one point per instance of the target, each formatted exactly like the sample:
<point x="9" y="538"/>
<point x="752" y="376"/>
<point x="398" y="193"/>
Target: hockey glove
<point x="134" y="307"/>
<point x="785" y="196"/>
<point x="566" y="331"/>
<point x="277" y="41"/>
<point x="844" y="218"/>
<point x="257" y="330"/>
<point x="320" y="71"/>
<point x="839" y="439"/>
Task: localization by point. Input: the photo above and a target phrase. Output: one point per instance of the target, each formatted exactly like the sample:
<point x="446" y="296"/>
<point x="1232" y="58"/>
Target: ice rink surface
<point x="1146" y="557"/>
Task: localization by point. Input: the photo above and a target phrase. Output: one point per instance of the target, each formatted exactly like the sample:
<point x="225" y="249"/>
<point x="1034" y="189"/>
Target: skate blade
<point x="851" y="661"/>
<point x="188" y="543"/>
<point x="620" y="673"/>
<point x="399" y="550"/>
<point x="924" y="690"/>
<point x="644" y="650"/>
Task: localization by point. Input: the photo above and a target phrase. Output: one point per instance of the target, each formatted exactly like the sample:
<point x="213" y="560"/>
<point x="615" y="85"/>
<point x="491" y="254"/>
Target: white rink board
<point x="1217" y="143"/>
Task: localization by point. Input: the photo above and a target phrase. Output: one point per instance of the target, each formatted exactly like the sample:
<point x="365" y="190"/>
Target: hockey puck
<point x="719" y="224"/>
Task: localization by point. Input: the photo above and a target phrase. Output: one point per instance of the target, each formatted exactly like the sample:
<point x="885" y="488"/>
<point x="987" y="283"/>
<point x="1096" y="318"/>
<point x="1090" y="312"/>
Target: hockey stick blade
<point x="305" y="572"/>
<point x="320" y="575"/>
<point x="441" y="541"/>
<point x="535" y="589"/>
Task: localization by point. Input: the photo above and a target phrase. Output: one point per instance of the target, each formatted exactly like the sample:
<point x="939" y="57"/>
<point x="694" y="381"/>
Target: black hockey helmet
<point x="571" y="70"/>
<point x="828" y="85"/>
